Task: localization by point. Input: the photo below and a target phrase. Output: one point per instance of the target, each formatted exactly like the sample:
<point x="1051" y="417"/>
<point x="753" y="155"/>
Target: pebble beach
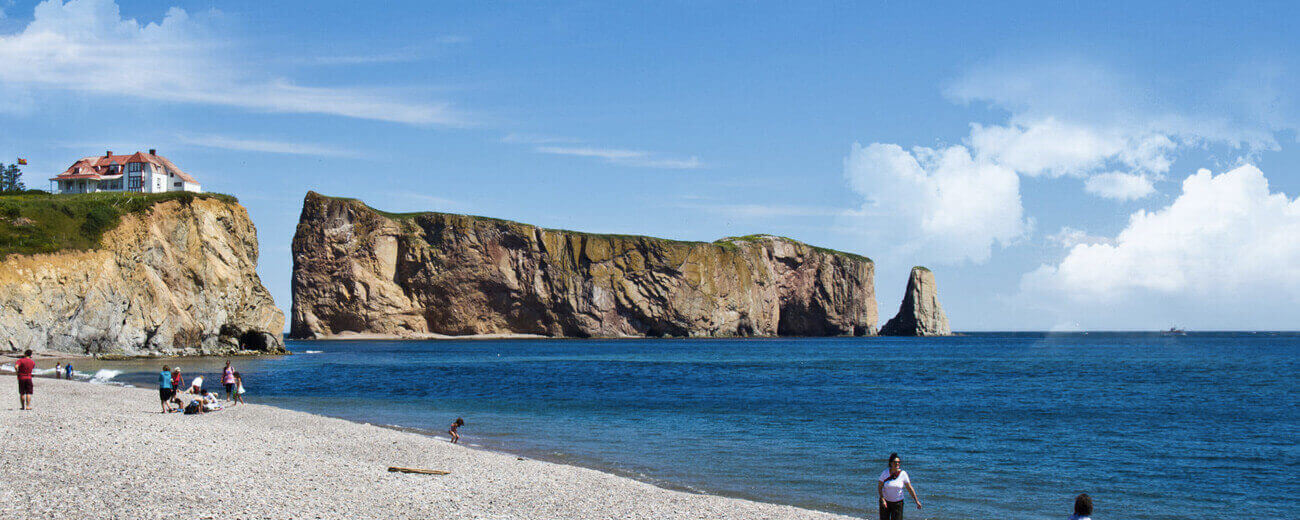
<point x="101" y="451"/>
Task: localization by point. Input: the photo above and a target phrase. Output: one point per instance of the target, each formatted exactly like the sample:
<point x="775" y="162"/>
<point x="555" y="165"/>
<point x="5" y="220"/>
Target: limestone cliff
<point x="920" y="314"/>
<point x="178" y="277"/>
<point x="363" y="271"/>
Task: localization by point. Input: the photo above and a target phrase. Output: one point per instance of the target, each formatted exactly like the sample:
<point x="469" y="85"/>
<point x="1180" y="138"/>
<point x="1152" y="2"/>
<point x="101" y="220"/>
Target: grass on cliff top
<point x="827" y="250"/>
<point x="725" y="243"/>
<point x="40" y="222"/>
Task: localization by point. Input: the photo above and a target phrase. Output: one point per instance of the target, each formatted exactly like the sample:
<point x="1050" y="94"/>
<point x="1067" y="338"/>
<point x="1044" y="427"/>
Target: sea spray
<point x="101" y="376"/>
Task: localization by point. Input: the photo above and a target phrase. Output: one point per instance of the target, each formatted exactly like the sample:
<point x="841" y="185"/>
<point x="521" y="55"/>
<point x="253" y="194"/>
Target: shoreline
<point x="278" y="459"/>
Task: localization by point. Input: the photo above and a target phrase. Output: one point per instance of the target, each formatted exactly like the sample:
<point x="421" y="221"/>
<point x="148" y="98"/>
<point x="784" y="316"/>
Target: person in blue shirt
<point x="165" y="389"/>
<point x="68" y="368"/>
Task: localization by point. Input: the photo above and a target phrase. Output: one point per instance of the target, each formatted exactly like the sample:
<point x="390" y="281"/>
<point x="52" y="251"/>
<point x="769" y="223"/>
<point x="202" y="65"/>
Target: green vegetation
<point x="829" y="251"/>
<point x="921" y="268"/>
<point x="11" y="178"/>
<point x="35" y="221"/>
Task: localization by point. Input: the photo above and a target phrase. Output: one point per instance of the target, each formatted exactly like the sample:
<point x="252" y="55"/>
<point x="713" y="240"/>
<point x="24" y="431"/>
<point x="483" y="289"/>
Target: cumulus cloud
<point x="86" y="46"/>
<point x="1225" y="238"/>
<point x="1069" y="237"/>
<point x="1119" y="185"/>
<point x="935" y="203"/>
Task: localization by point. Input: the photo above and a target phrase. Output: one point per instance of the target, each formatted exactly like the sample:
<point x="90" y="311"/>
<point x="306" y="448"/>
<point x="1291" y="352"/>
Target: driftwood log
<point x="396" y="469"/>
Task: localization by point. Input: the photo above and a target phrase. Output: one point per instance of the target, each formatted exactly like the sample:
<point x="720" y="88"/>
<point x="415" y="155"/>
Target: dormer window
<point x="135" y="167"/>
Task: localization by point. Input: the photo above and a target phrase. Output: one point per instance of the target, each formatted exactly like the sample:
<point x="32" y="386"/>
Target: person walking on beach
<point x="890" y="490"/>
<point x="67" y="369"/>
<point x="455" y="427"/>
<point x="23" y="369"/>
<point x="228" y="381"/>
<point x="165" y="388"/>
<point x="1082" y="507"/>
<point x="239" y="389"/>
<point x="58" y="370"/>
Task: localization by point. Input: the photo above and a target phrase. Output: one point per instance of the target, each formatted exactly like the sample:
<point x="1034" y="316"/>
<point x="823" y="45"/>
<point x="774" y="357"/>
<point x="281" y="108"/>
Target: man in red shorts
<point x="23" y="369"/>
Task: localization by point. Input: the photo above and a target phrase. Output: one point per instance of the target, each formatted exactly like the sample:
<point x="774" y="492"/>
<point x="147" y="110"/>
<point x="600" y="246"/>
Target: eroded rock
<point x="920" y="314"/>
<point x="178" y="278"/>
<point x="359" y="271"/>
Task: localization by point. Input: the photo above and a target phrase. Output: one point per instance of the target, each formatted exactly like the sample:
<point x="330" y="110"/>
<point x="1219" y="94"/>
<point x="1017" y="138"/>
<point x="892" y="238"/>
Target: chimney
<point x="153" y="151"/>
<point x="108" y="153"/>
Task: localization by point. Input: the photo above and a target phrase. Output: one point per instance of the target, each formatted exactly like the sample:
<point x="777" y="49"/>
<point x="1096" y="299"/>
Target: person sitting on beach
<point x="210" y="402"/>
<point x="194" y="407"/>
<point x="455" y="437"/>
<point x="1082" y="507"/>
<point x="890" y="490"/>
<point x="58" y="370"/>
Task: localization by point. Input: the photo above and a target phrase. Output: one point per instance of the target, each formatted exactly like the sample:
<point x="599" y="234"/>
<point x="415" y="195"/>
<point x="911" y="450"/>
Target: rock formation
<point x="920" y="314"/>
<point x="358" y="270"/>
<point x="177" y="278"/>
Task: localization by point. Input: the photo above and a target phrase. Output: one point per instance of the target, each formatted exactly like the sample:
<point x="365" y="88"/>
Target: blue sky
<point x="1046" y="163"/>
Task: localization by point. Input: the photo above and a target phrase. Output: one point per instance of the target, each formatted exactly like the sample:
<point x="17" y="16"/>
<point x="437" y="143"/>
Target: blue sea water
<point x="988" y="425"/>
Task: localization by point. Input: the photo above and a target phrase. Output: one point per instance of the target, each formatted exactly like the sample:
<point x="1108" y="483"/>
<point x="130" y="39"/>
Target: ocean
<point x="988" y="425"/>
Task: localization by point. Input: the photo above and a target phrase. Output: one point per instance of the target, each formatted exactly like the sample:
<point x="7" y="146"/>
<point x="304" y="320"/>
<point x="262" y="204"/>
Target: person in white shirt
<point x="890" y="490"/>
<point x="1082" y="507"/>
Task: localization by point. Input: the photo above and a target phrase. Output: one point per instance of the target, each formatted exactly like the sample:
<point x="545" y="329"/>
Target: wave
<point x="101" y="376"/>
<point x="311" y="352"/>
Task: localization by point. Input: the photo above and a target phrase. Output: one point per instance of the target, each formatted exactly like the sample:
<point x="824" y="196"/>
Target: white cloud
<point x="86" y="46"/>
<point x="624" y="157"/>
<point x="1119" y="185"/>
<point x="1226" y="238"/>
<point x="935" y="204"/>
<point x="268" y="146"/>
<point x="1069" y="237"/>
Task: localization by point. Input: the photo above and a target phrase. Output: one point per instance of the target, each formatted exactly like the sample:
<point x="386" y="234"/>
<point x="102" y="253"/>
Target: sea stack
<point x="920" y="314"/>
<point x="357" y="270"/>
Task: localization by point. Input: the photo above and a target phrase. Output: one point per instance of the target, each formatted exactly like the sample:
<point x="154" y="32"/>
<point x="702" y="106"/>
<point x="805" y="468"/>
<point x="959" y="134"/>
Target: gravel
<point x="99" y="451"/>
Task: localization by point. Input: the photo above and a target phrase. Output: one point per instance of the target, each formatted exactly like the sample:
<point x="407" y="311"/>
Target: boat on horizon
<point x="1175" y="331"/>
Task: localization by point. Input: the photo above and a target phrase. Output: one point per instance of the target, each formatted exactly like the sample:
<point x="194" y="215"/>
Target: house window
<point x="134" y="167"/>
<point x="176" y="184"/>
<point x="133" y="183"/>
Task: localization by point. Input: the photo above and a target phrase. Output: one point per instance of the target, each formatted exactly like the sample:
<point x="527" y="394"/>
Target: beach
<point x="102" y="451"/>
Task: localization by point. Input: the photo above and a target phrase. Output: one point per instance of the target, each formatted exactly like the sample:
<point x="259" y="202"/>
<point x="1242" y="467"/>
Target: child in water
<point x="455" y="437"/>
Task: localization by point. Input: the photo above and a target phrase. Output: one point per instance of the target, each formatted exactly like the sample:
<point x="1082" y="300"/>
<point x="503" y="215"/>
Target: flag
<point x="22" y="161"/>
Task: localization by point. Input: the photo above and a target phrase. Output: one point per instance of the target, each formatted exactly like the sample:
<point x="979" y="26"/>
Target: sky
<point x="1078" y="167"/>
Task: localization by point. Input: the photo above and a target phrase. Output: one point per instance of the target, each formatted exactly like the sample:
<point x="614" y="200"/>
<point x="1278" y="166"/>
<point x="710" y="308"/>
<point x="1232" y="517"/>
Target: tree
<point x="11" y="178"/>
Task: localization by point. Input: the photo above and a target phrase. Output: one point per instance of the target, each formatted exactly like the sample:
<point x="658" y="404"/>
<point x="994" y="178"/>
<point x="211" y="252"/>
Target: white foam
<point x="42" y="371"/>
<point x="101" y="376"/>
<point x="7" y="368"/>
<point x="311" y="352"/>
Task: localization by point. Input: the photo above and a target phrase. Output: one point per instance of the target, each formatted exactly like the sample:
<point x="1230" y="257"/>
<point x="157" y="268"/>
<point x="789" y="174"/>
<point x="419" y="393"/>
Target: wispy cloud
<point x="515" y="138"/>
<point x="267" y="146"/>
<point x="624" y="157"/>
<point x="86" y="46"/>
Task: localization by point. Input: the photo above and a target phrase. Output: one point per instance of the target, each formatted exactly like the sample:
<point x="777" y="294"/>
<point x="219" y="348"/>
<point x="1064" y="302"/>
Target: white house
<point x="143" y="172"/>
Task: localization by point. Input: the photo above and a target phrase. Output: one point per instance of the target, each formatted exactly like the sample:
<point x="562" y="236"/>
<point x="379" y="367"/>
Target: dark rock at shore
<point x="359" y="270"/>
<point x="920" y="314"/>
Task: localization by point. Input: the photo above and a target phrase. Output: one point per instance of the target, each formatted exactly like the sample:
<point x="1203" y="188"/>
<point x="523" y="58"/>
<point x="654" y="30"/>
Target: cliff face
<point x="920" y="314"/>
<point x="176" y="278"/>
<point x="357" y="270"/>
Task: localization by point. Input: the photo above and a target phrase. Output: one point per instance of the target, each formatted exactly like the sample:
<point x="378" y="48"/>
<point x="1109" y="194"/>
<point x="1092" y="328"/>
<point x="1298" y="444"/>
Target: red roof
<point x="97" y="167"/>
